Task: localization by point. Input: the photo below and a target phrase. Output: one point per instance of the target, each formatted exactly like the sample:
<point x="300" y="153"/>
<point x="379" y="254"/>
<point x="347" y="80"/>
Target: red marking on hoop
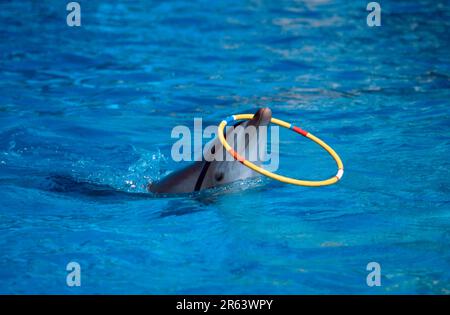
<point x="300" y="131"/>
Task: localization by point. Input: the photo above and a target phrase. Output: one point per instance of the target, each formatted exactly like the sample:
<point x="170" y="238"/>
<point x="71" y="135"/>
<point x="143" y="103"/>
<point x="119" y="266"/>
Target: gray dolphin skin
<point x="211" y="171"/>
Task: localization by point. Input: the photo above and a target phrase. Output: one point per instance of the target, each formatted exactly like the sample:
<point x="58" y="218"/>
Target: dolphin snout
<point x="262" y="117"/>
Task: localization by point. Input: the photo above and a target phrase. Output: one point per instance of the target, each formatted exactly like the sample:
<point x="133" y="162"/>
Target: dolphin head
<point x="262" y="117"/>
<point x="248" y="138"/>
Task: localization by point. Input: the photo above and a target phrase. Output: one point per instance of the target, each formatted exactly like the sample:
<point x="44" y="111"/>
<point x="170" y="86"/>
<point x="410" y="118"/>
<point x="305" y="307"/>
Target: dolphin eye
<point x="218" y="176"/>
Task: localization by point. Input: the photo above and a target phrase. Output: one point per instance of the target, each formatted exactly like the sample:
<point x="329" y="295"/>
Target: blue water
<point x="86" y="115"/>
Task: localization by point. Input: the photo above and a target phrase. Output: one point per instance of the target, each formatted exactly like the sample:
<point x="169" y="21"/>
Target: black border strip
<point x="298" y="304"/>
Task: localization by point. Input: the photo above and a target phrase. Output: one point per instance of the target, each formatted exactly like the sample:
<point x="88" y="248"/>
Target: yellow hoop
<point x="281" y="178"/>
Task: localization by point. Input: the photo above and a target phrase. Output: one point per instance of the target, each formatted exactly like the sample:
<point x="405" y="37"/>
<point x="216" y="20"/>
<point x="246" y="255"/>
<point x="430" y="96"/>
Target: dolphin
<point x="215" y="169"/>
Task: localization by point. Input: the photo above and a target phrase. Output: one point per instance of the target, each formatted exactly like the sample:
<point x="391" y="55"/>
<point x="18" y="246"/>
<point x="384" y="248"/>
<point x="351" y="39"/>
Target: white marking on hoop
<point x="340" y="173"/>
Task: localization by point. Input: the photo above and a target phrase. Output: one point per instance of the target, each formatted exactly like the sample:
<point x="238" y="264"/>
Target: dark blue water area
<point x="86" y="115"/>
